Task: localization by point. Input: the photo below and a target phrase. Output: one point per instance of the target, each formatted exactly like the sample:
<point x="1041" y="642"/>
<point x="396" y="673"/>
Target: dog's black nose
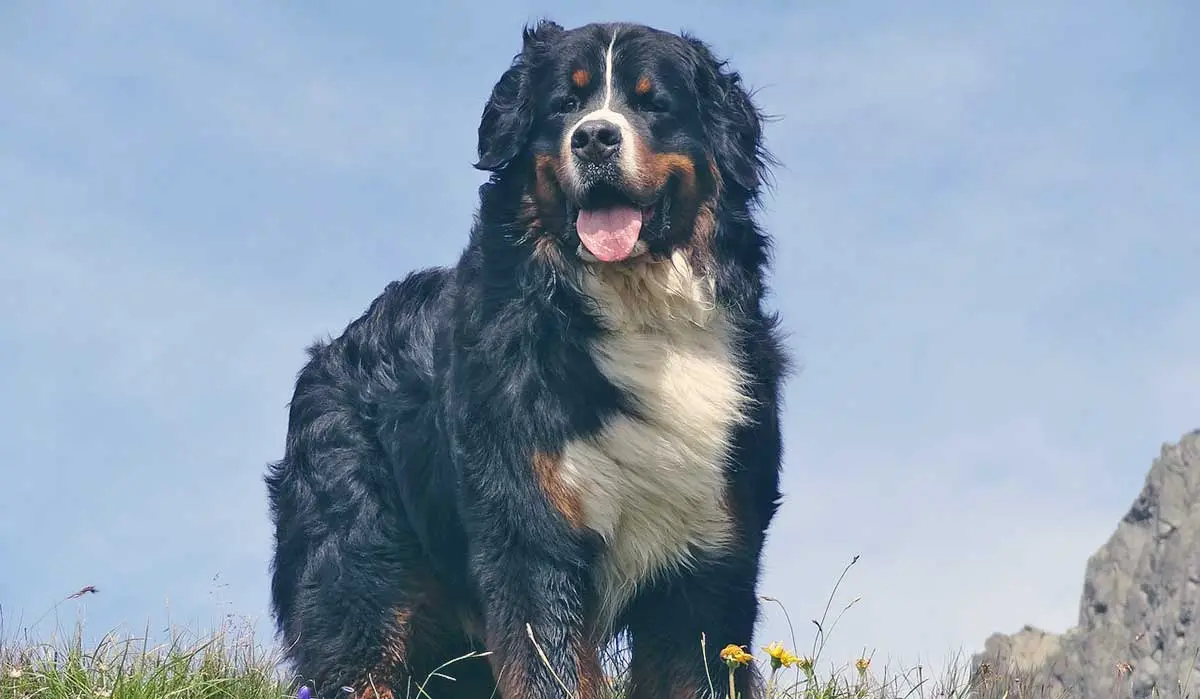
<point x="596" y="141"/>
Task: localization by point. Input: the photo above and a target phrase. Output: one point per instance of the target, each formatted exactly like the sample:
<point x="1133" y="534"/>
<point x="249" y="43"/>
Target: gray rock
<point x="1138" y="634"/>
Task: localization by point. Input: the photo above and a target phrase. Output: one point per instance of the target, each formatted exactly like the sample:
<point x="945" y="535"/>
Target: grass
<point x="130" y="668"/>
<point x="231" y="664"/>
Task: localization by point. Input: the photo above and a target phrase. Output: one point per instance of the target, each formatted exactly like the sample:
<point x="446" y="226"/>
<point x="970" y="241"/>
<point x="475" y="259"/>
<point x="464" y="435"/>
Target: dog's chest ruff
<point x="652" y="483"/>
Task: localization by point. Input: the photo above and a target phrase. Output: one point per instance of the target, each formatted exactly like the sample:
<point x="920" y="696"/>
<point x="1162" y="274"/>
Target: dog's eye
<point x="566" y="105"/>
<point x="653" y="104"/>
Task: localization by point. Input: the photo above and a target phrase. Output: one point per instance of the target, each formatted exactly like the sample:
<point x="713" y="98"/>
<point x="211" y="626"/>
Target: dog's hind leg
<point x="348" y="605"/>
<point x="349" y="588"/>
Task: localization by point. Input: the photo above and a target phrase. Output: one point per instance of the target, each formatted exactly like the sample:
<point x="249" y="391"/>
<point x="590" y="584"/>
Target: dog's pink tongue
<point x="610" y="234"/>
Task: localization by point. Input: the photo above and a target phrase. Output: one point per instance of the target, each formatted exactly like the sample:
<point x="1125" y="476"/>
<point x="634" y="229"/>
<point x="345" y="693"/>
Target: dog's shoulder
<point x="390" y="344"/>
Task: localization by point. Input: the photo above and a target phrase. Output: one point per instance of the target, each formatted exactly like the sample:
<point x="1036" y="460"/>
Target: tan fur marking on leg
<point x="395" y="648"/>
<point x="587" y="666"/>
<point x="512" y="682"/>
<point x="562" y="497"/>
<point x="376" y="693"/>
<point x="394" y="658"/>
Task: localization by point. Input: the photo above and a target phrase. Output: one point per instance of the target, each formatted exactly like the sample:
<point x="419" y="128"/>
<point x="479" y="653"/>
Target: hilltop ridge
<point x="1137" y="633"/>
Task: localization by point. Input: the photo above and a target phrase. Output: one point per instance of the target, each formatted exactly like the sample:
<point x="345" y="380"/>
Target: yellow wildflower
<point x="862" y="664"/>
<point x="780" y="656"/>
<point x="735" y="655"/>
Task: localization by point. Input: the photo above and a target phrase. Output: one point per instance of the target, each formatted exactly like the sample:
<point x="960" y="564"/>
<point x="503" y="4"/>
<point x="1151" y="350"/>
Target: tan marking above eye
<point x="581" y="78"/>
<point x="643" y="85"/>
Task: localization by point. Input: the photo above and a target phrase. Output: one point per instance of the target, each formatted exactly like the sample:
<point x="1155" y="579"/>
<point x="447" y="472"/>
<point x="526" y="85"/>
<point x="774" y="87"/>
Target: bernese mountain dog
<point x="571" y="434"/>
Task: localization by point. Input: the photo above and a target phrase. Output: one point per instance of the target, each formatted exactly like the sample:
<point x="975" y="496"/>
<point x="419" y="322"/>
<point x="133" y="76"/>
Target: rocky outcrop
<point x="1138" y="633"/>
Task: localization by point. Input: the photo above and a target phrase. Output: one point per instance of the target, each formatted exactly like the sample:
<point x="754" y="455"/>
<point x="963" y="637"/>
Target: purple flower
<point x="304" y="693"/>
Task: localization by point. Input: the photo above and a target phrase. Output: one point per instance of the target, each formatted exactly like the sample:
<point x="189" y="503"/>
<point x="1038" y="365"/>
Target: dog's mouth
<point x="612" y="225"/>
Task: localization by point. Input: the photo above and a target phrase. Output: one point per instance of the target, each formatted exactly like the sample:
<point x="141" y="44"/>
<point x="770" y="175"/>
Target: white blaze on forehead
<point x="608" y="72"/>
<point x="627" y="153"/>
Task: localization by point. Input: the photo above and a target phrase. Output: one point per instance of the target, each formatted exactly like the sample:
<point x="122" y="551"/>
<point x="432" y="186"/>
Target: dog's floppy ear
<point x="734" y="124"/>
<point x="508" y="115"/>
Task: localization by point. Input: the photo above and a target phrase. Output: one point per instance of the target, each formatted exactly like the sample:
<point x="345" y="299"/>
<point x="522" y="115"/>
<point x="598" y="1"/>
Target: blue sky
<point x="987" y="241"/>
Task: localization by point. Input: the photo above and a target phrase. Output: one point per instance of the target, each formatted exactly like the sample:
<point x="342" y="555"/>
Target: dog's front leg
<point x="530" y="563"/>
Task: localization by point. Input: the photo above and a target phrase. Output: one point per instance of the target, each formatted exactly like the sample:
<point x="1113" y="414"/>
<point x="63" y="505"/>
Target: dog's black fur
<point x="412" y="525"/>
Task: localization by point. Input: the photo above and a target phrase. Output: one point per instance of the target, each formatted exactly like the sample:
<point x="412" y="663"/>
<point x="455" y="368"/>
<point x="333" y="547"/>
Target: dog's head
<point x="623" y="136"/>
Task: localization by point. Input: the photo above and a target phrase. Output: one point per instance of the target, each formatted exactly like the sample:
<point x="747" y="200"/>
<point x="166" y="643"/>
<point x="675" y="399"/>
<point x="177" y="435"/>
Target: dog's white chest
<point x="653" y="485"/>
